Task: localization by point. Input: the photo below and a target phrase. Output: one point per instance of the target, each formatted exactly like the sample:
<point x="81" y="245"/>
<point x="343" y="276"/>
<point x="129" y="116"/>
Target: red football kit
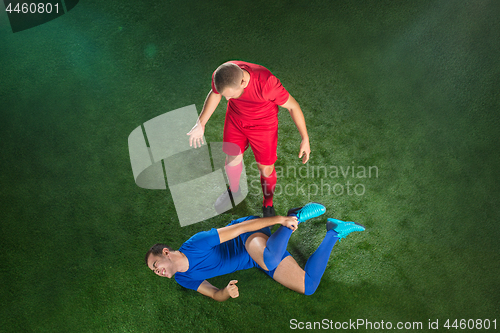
<point x="252" y="118"/>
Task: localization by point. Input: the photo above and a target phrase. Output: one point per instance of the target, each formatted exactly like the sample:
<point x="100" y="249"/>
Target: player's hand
<point x="305" y="151"/>
<point x="196" y="135"/>
<point x="290" y="222"/>
<point x="232" y="289"/>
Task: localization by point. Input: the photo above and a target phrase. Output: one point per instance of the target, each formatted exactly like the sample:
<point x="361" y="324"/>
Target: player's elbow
<point x="294" y="110"/>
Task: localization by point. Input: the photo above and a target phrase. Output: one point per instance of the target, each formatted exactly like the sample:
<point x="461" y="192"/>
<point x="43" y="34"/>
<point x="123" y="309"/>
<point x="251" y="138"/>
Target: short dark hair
<point x="156" y="250"/>
<point x="227" y="75"/>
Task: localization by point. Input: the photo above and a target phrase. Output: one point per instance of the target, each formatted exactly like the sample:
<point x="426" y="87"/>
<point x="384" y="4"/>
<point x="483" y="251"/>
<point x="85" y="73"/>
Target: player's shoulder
<point x="202" y="239"/>
<point x="252" y="68"/>
<point x="186" y="281"/>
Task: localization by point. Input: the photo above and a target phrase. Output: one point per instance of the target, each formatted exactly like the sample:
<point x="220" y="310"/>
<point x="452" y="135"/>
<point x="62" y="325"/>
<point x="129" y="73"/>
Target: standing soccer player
<point x="253" y="94"/>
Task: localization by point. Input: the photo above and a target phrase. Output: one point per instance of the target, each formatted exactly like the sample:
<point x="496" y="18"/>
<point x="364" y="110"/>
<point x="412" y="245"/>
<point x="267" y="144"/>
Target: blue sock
<point x="276" y="247"/>
<point x="316" y="264"/>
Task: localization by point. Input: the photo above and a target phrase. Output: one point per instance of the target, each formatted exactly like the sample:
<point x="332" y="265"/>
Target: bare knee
<point x="233" y="160"/>
<point x="265" y="170"/>
<point x="309" y="293"/>
<point x="310" y="285"/>
<point x="255" y="246"/>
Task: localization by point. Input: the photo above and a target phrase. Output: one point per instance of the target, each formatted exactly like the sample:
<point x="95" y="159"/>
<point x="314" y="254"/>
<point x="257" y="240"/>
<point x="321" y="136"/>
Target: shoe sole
<point x="291" y="211"/>
<point x="361" y="225"/>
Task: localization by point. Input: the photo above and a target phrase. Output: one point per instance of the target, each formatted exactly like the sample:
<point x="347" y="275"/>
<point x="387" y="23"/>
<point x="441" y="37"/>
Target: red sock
<point x="268" y="186"/>
<point x="233" y="172"/>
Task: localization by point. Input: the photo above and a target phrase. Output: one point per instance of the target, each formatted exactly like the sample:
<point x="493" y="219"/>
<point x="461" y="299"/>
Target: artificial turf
<point x="409" y="88"/>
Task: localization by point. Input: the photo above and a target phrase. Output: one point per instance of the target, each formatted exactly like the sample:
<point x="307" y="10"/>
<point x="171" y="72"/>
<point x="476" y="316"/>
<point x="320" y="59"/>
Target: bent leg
<point x="276" y="246"/>
<point x="289" y="274"/>
<point x="316" y="264"/>
<point x="255" y="245"/>
<point x="306" y="281"/>
<point x="268" y="251"/>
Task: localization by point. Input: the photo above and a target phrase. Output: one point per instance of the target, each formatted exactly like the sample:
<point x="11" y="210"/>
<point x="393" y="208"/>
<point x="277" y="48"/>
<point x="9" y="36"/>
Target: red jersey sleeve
<point x="213" y="84"/>
<point x="274" y="91"/>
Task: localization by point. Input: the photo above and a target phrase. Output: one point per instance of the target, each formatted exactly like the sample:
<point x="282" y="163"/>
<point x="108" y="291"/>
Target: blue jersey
<point x="209" y="258"/>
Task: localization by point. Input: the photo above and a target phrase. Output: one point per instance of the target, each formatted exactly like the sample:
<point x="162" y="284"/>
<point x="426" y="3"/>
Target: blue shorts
<point x="266" y="231"/>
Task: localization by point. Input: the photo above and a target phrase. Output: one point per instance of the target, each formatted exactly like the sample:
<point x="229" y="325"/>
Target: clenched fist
<point x="232" y="289"/>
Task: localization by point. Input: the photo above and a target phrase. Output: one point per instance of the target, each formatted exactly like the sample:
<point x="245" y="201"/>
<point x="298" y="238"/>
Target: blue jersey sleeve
<point x="187" y="283"/>
<point x="203" y="240"/>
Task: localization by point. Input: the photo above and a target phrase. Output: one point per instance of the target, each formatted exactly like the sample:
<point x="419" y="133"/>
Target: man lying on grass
<point x="245" y="243"/>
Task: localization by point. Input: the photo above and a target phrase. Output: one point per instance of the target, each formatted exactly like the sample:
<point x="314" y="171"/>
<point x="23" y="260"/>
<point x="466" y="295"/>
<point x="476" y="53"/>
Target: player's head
<point x="229" y="80"/>
<point x="159" y="261"/>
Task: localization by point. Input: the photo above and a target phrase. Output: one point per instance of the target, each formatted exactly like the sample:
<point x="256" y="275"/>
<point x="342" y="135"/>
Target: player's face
<point x="229" y="93"/>
<point x="161" y="265"/>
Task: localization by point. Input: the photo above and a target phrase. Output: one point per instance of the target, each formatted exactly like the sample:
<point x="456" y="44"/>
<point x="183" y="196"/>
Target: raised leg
<point x="316" y="264"/>
<point x="288" y="272"/>
<point x="255" y="246"/>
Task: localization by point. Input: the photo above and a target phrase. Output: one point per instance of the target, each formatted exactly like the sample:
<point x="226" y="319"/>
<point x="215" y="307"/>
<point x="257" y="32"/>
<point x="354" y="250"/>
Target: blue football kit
<point x="209" y="258"/>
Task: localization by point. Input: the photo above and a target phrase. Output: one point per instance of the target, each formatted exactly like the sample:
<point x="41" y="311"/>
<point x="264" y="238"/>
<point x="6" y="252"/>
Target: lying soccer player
<point x="245" y="243"/>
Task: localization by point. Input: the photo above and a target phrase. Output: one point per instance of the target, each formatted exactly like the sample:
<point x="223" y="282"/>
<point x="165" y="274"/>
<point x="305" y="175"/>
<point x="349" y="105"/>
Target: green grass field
<point x="409" y="88"/>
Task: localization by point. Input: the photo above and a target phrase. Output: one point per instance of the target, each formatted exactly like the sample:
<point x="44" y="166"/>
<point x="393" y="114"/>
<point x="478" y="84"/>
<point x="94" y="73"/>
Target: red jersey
<point x="259" y="102"/>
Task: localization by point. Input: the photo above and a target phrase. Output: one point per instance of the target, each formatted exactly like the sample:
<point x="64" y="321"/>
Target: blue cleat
<point x="309" y="211"/>
<point x="343" y="228"/>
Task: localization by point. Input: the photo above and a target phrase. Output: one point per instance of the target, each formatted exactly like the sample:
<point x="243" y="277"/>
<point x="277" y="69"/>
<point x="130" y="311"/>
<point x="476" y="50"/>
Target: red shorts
<point x="262" y="138"/>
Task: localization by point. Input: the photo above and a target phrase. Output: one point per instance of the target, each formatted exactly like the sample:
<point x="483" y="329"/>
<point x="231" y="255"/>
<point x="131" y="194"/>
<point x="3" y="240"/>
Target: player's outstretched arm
<point x="233" y="231"/>
<point x="196" y="133"/>
<point x="298" y="118"/>
<point x="231" y="290"/>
